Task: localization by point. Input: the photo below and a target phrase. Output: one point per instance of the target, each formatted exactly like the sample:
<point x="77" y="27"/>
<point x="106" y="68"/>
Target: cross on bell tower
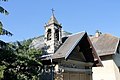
<point x="52" y="11"/>
<point x="53" y="34"/>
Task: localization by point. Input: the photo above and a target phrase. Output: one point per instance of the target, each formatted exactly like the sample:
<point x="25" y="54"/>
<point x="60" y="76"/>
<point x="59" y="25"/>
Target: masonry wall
<point x="67" y="71"/>
<point x="109" y="71"/>
<point x="73" y="76"/>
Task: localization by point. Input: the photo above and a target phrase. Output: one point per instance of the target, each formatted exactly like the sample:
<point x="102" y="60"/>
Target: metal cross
<point x="52" y="11"/>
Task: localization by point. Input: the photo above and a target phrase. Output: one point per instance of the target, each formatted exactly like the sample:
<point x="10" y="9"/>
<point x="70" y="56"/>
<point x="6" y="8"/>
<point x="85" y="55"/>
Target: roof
<point x="83" y="42"/>
<point x="105" y="44"/>
<point x="68" y="45"/>
<point x="53" y="20"/>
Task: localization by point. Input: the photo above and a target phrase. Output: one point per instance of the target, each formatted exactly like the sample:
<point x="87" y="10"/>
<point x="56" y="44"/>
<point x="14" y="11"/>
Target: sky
<point x="28" y="17"/>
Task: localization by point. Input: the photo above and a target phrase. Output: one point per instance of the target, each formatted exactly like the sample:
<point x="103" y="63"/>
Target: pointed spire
<point x="52" y="19"/>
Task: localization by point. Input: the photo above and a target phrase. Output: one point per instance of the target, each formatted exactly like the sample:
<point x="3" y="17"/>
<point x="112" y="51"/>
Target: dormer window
<point x="49" y="34"/>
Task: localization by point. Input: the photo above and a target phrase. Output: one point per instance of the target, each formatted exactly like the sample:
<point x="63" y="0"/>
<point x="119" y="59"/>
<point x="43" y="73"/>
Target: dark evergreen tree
<point x="2" y="30"/>
<point x="18" y="62"/>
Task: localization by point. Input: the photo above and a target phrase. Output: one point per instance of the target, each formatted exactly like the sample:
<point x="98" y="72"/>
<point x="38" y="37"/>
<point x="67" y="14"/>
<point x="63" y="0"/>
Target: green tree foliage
<point x="20" y="63"/>
<point x="2" y="30"/>
<point x="2" y="10"/>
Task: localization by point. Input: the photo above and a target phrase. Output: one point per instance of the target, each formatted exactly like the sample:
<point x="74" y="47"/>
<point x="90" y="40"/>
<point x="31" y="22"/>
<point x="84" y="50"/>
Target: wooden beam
<point x="95" y="53"/>
<point x="78" y="62"/>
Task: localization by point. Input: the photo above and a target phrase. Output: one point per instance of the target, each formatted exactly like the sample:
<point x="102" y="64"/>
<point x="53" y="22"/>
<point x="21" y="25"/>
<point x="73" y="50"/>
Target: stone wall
<point x="73" y="76"/>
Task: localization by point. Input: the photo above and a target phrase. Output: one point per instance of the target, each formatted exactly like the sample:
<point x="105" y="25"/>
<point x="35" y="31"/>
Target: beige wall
<point x="109" y="72"/>
<point x="117" y="73"/>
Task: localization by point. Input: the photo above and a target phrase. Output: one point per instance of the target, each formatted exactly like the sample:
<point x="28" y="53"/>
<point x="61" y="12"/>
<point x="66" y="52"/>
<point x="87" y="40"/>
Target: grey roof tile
<point x="68" y="46"/>
<point x="105" y="44"/>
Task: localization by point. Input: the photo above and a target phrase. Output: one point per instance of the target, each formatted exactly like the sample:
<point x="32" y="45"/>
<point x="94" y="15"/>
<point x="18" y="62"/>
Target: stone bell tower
<point x="53" y="34"/>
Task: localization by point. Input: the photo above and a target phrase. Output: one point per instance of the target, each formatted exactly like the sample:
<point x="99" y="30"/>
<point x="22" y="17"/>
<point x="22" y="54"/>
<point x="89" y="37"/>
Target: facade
<point x="108" y="48"/>
<point x="67" y="58"/>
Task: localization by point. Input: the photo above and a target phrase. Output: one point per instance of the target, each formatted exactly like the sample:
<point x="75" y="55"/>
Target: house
<point x="108" y="48"/>
<point x="67" y="58"/>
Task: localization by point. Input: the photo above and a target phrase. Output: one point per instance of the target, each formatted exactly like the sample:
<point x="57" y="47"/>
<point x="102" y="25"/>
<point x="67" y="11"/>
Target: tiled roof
<point x="105" y="44"/>
<point x="68" y="46"/>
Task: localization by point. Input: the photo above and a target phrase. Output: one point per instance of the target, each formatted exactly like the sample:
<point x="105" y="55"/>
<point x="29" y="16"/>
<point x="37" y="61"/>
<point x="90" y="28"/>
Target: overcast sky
<point x="27" y="17"/>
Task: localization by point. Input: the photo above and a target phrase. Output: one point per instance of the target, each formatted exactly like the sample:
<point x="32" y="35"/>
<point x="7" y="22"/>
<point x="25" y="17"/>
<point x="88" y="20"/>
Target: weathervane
<point x="52" y="11"/>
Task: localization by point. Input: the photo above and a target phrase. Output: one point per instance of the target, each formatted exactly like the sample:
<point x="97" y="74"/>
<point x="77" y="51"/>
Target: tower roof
<point x="52" y="20"/>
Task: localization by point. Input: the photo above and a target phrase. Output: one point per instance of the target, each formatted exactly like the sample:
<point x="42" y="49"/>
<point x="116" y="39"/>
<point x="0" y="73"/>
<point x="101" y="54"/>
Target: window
<point x="57" y="34"/>
<point x="49" y="34"/>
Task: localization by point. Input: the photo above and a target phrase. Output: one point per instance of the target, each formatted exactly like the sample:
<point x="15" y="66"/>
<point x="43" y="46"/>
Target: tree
<point x="2" y="30"/>
<point x="19" y="62"/>
<point x="5" y="51"/>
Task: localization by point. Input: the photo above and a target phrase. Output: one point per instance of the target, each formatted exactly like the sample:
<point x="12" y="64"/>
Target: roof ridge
<point x="77" y="33"/>
<point x="109" y="35"/>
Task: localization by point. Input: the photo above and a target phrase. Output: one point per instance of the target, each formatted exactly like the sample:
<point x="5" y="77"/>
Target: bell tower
<point x="53" y="34"/>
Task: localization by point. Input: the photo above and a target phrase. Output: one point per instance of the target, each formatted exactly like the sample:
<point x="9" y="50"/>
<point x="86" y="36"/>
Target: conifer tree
<point x="5" y="12"/>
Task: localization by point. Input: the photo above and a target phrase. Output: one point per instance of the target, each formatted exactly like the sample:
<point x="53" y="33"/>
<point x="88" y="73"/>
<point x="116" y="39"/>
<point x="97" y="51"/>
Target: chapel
<point x="67" y="58"/>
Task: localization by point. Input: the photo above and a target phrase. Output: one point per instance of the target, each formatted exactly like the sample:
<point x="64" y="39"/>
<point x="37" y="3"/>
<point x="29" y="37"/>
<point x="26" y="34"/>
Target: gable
<point x="77" y="47"/>
<point x="67" y="47"/>
<point x="82" y="51"/>
<point x="77" y="55"/>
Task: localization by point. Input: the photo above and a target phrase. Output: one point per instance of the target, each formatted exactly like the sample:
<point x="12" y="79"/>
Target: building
<point x="108" y="48"/>
<point x="67" y="58"/>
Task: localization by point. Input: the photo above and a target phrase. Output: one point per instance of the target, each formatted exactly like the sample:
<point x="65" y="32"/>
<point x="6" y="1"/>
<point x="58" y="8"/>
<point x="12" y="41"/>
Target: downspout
<point x="52" y="69"/>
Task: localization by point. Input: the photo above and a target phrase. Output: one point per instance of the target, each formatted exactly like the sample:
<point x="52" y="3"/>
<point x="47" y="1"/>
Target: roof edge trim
<point x="95" y="53"/>
<point x="117" y="46"/>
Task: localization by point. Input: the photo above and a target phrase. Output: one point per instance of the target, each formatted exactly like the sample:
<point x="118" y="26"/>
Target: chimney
<point x="98" y="33"/>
